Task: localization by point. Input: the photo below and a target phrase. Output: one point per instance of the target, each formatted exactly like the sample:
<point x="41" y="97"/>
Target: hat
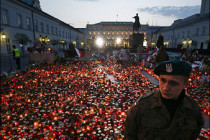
<point x="173" y="67"/>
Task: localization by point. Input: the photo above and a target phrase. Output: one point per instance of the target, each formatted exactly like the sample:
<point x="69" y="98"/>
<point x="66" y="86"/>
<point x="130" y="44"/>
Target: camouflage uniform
<point x="149" y="119"/>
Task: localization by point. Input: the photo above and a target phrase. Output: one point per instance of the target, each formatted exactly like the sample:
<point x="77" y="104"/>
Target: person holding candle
<point x="166" y="114"/>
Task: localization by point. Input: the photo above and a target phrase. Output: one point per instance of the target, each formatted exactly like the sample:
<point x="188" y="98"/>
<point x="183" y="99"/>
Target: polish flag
<point x="79" y="53"/>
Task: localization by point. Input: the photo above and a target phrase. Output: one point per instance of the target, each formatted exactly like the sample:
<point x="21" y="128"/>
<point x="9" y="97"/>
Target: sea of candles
<point x="74" y="101"/>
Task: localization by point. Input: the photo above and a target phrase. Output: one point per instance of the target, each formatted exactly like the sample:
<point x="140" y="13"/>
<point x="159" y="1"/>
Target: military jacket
<point x="149" y="119"/>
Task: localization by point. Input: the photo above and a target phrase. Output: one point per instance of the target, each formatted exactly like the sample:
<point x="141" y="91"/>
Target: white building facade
<point x="191" y="32"/>
<point x="26" y="17"/>
<point x="114" y="34"/>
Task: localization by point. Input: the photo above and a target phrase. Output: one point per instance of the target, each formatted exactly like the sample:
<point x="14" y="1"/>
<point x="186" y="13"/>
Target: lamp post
<point x="62" y="42"/>
<point x="3" y="35"/>
<point x="99" y="43"/>
<point x="118" y="41"/>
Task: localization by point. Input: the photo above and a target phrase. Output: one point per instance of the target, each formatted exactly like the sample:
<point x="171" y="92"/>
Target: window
<point x="28" y="23"/>
<point x="42" y="27"/>
<point x="56" y="31"/>
<point x="204" y="31"/>
<point x="178" y="35"/>
<point x="36" y="25"/>
<point x="4" y="16"/>
<point x="182" y="34"/>
<point x="52" y="30"/>
<point x="8" y="42"/>
<point x="59" y="33"/>
<point x="47" y="28"/>
<point x="19" y="20"/>
<point x="188" y="34"/>
<point x="197" y="32"/>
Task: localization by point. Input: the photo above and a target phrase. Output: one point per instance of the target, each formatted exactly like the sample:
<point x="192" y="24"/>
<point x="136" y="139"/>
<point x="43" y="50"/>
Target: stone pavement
<point x="8" y="64"/>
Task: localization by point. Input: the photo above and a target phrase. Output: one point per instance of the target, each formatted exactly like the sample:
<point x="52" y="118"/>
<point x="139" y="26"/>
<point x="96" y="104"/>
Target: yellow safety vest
<point x="17" y="52"/>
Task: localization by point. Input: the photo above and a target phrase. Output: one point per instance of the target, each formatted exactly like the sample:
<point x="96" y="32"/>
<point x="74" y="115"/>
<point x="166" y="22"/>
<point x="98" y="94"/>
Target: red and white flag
<point x="79" y="53"/>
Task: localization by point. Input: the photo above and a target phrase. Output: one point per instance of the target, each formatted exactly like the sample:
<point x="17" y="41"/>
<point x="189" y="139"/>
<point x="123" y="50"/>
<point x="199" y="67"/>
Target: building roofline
<point x="21" y="3"/>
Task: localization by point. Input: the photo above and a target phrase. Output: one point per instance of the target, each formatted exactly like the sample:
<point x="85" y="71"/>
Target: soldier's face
<point x="171" y="86"/>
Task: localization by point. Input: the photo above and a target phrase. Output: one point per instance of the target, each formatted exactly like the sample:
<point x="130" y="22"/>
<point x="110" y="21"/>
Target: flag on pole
<point x="79" y="53"/>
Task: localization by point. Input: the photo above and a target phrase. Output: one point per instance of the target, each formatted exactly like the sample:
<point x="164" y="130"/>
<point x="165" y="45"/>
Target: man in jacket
<point x="166" y="114"/>
<point x="16" y="56"/>
<point x="161" y="56"/>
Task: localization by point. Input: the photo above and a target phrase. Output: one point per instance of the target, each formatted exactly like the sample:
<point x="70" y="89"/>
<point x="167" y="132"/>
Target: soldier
<point x="166" y="114"/>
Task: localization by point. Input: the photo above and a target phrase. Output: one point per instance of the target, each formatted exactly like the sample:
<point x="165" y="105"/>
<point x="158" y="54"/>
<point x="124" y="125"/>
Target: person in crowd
<point x="168" y="113"/>
<point x="87" y="56"/>
<point x="139" y="51"/>
<point x="161" y="56"/>
<point x="147" y="51"/>
<point x="16" y="56"/>
<point x="182" y="51"/>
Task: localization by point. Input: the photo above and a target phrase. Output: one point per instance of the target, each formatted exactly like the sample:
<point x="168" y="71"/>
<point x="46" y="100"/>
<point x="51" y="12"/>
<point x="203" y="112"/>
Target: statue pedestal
<point x="136" y="40"/>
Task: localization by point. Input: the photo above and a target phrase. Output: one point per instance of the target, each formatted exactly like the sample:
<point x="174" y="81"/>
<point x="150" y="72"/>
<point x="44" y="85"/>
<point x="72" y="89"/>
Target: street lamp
<point x="47" y="40"/>
<point x="118" y="41"/>
<point x="3" y="36"/>
<point x="74" y="43"/>
<point x="99" y="43"/>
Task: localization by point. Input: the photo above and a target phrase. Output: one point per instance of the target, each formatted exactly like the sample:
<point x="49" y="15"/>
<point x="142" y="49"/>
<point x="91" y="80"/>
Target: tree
<point x="160" y="41"/>
<point x="22" y="38"/>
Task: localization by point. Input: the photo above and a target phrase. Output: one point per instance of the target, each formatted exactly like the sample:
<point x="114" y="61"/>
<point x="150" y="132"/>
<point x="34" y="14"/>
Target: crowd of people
<point x="77" y="101"/>
<point x="38" y="47"/>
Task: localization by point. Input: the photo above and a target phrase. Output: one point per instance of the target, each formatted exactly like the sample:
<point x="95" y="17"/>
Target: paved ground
<point x="9" y="64"/>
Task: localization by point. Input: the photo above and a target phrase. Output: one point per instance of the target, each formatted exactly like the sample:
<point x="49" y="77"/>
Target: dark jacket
<point x="149" y="119"/>
<point x="161" y="56"/>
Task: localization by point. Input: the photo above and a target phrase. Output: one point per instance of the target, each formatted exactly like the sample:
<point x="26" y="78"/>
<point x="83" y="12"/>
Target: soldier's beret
<point x="173" y="67"/>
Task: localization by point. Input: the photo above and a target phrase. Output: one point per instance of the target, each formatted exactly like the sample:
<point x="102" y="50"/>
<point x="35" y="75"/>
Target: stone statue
<point x="136" y="25"/>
